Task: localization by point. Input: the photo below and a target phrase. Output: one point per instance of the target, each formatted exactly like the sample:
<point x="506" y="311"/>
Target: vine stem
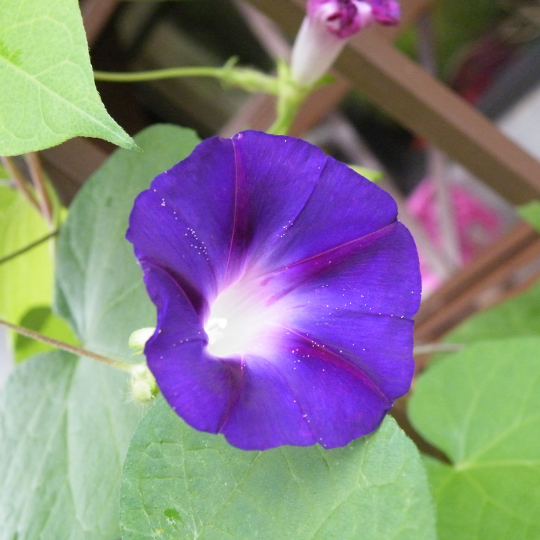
<point x="157" y="74"/>
<point x="38" y="178"/>
<point x="28" y="247"/>
<point x="124" y="366"/>
<point x="19" y="181"/>
<point x="430" y="348"/>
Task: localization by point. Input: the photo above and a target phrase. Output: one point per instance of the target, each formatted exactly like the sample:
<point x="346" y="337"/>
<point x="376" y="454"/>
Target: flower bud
<point x="138" y="339"/>
<point x="327" y="27"/>
<point x="143" y="384"/>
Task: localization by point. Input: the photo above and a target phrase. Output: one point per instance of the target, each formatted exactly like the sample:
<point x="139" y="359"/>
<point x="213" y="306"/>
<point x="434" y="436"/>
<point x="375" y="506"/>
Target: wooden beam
<point x="96" y="14"/>
<point x="494" y="271"/>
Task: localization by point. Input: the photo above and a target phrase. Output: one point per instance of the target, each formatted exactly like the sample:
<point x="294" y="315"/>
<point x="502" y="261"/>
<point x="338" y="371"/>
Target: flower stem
<point x="287" y="106"/>
<point x="124" y="366"/>
<point x="19" y="181"/>
<point x="290" y="97"/>
<point x="250" y="80"/>
<point x="38" y="178"/>
<point x="158" y="74"/>
<point x="430" y="348"/>
<point x="23" y="250"/>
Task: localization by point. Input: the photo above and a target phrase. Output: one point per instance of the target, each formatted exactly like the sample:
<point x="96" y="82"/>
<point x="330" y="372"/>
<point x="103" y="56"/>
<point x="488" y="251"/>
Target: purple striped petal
<point x="285" y="289"/>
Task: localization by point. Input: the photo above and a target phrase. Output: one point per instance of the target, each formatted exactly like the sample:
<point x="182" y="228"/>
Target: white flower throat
<point x="241" y="319"/>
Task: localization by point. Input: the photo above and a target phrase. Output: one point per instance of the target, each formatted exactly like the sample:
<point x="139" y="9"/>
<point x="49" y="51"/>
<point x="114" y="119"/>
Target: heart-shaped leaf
<point x="47" y="86"/>
<point x="65" y="423"/>
<point x="183" y="484"/>
<point x="481" y="407"/>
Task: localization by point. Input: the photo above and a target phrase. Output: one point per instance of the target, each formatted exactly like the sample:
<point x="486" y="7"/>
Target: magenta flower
<point x="284" y="289"/>
<point x="327" y="27"/>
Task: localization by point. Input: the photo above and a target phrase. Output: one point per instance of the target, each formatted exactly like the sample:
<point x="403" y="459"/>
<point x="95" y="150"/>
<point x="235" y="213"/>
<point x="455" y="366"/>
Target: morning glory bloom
<point x="284" y="288"/>
<point x="327" y="27"/>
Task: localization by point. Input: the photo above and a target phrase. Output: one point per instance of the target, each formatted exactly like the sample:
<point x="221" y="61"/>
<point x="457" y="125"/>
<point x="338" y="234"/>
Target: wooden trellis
<point x="419" y="102"/>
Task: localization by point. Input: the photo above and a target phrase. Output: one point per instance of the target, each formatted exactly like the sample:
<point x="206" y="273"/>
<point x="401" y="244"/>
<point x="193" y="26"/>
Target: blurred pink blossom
<point x="477" y="224"/>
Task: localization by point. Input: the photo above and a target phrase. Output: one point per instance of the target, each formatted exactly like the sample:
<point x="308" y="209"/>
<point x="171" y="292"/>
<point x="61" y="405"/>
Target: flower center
<point x="241" y="319"/>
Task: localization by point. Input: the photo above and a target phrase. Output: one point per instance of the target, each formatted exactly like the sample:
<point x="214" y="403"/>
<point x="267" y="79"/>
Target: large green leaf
<point x="47" y="87"/>
<point x="64" y="429"/>
<point x="481" y="407"/>
<point x="183" y="484"/>
<point x="25" y="281"/>
<point x="99" y="288"/>
<point x="67" y="422"/>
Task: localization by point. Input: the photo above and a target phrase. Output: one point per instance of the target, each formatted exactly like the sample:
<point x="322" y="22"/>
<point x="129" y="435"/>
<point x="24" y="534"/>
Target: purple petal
<point x="199" y="388"/>
<point x="199" y="219"/>
<point x="387" y="12"/>
<point x="305" y="263"/>
<point x="342" y="208"/>
<point x="272" y="191"/>
<point x="184" y="225"/>
<point x="375" y="274"/>
<point x="302" y="396"/>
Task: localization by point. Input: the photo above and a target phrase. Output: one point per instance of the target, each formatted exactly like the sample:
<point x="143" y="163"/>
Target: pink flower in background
<point x="327" y="27"/>
<point x="477" y="224"/>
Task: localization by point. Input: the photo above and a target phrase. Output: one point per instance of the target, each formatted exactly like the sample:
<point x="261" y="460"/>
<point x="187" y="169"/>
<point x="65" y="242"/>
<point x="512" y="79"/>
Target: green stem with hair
<point x="124" y="366"/>
<point x="249" y="79"/>
<point x="431" y="348"/>
<point x="40" y="184"/>
<point x="18" y="179"/>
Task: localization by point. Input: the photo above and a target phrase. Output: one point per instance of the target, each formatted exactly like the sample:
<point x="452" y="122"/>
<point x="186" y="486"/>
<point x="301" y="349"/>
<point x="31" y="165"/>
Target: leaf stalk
<point x="124" y="366"/>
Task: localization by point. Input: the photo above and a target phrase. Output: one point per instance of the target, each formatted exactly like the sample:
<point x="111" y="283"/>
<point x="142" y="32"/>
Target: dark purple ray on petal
<point x="302" y="396"/>
<point x="375" y="274"/>
<point x="343" y="207"/>
<point x="183" y="223"/>
<point x="373" y="344"/>
<point x="278" y="175"/>
<point x="266" y="413"/>
<point x="331" y="355"/>
<point x="200" y="388"/>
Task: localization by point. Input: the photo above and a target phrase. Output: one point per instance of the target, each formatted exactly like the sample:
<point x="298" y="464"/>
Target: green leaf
<point x="99" y="288"/>
<point x="64" y="429"/>
<point x="530" y="212"/>
<point x="47" y="86"/>
<point x="65" y="423"/>
<point x="519" y="316"/>
<point x="25" y="281"/>
<point x="481" y="407"/>
<point x="42" y="320"/>
<point x="183" y="484"/>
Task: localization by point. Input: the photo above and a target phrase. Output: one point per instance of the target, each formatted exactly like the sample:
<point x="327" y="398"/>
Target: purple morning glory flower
<point x="327" y="27"/>
<point x="284" y="289"/>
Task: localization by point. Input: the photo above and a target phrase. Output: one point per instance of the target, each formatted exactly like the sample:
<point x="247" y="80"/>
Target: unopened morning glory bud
<point x="143" y="384"/>
<point x="138" y="339"/>
<point x="327" y="27"/>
